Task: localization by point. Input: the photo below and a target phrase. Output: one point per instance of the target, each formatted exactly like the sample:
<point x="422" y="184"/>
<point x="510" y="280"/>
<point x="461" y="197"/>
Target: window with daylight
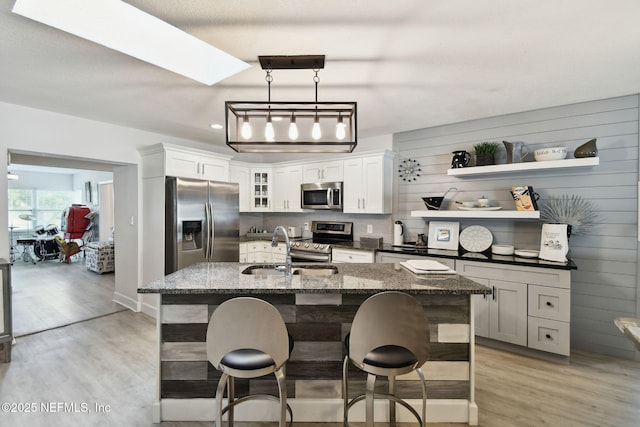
<point x="45" y="205"/>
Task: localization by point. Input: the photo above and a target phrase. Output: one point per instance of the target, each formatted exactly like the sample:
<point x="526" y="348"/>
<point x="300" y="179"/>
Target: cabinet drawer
<point x="549" y="335"/>
<point x="345" y="255"/>
<point x="244" y="247"/>
<point x="259" y="246"/>
<point x="550" y="303"/>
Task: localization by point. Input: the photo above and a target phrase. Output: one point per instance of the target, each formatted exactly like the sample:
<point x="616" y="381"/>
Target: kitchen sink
<point x="298" y="270"/>
<point x="314" y="270"/>
<point x="262" y="270"/>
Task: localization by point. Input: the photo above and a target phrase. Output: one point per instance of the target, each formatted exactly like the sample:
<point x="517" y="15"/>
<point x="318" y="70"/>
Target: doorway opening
<point x="46" y="292"/>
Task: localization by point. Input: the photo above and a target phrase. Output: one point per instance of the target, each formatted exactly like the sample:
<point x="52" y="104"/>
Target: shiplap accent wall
<point x="605" y="286"/>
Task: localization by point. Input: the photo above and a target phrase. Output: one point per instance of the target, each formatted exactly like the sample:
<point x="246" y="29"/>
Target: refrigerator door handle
<point x="208" y="232"/>
<point x="212" y="230"/>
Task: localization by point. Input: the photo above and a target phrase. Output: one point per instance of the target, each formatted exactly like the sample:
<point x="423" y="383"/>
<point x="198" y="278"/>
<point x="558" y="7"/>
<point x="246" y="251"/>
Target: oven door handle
<point x="310" y="257"/>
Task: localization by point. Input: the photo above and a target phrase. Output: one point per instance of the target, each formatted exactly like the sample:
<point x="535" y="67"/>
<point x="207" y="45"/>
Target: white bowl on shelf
<point x="502" y="249"/>
<point x="553" y="153"/>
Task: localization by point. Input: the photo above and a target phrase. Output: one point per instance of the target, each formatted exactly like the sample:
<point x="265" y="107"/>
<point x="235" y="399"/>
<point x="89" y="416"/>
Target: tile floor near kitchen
<point x="102" y="372"/>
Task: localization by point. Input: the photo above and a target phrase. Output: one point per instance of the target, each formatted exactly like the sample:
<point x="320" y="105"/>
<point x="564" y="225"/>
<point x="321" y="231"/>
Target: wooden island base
<point x="318" y="324"/>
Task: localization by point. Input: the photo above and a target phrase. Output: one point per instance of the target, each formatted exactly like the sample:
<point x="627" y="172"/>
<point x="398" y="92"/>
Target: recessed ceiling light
<point x="216" y="126"/>
<point x="120" y="26"/>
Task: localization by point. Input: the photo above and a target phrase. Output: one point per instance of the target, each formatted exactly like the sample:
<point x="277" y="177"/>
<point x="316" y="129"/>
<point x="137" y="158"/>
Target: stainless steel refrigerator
<point x="201" y="222"/>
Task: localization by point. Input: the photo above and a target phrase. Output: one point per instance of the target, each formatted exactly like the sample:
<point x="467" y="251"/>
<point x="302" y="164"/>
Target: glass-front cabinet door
<point x="261" y="189"/>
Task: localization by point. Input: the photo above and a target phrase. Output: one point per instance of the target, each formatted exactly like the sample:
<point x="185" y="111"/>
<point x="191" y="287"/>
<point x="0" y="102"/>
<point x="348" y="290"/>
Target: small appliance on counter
<point x="294" y="232"/>
<point x="398" y="233"/>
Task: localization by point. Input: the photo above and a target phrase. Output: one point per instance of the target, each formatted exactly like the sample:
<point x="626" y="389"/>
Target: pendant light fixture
<point x="293" y="128"/>
<point x="329" y="127"/>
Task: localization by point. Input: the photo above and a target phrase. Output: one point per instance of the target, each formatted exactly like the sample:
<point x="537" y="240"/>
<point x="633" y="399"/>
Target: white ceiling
<point x="408" y="63"/>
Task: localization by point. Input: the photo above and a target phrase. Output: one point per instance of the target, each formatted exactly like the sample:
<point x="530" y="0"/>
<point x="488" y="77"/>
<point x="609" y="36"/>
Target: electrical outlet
<point x="369" y="228"/>
<point x="306" y="226"/>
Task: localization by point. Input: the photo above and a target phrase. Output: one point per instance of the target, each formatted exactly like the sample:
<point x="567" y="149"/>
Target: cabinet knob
<point x="549" y="337"/>
<point x="549" y="304"/>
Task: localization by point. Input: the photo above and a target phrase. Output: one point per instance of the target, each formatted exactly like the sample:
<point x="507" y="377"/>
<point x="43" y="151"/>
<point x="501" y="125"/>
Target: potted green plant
<point x="485" y="152"/>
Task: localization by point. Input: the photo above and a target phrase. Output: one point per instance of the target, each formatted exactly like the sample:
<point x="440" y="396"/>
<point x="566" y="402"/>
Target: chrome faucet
<point x="274" y="242"/>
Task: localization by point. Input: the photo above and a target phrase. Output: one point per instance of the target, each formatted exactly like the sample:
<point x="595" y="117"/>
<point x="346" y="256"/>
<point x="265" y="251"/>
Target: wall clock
<point x="409" y="170"/>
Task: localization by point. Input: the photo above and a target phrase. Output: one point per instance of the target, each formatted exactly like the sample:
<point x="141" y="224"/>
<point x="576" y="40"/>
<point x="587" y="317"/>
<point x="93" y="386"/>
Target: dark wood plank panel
<point x="184" y="332"/>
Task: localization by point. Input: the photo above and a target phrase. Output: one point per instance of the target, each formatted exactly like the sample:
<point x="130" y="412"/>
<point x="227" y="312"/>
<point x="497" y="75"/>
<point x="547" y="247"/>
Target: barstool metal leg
<point x="282" y="389"/>
<point x="371" y="386"/>
<point x="424" y="396"/>
<point x="219" y="394"/>
<point x="392" y="404"/>
<point x="345" y="390"/>
<point x="231" y="392"/>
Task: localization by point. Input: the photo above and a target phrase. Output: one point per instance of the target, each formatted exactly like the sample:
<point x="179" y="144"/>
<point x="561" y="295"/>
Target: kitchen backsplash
<point x="381" y="225"/>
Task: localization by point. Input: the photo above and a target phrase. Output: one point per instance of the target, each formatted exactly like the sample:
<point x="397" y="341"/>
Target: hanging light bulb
<point x="269" y="133"/>
<point x="246" y="127"/>
<point x="316" y="132"/>
<point x="293" y="128"/>
<point x="341" y="128"/>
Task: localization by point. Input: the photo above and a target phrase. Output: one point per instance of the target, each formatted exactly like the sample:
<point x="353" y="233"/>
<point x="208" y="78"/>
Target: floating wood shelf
<point x="526" y="166"/>
<point x="501" y="214"/>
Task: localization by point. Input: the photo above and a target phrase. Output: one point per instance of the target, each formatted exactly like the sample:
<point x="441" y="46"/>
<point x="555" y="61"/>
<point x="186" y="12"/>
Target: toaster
<point x="294" y="231"/>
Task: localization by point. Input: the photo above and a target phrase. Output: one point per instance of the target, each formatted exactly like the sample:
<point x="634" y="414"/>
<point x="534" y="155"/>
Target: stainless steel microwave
<point x="322" y="195"/>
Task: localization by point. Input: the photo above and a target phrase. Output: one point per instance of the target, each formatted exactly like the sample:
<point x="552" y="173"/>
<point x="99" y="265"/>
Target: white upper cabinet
<point x="367" y="184"/>
<point x="261" y="189"/>
<point x="162" y="160"/>
<point x="331" y="171"/>
<point x="242" y="175"/>
<point x="186" y="164"/>
<point x="286" y="188"/>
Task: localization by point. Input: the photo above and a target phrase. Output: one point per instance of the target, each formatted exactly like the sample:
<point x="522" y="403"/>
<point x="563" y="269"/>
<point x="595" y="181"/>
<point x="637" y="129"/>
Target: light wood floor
<point x="50" y="294"/>
<point x="110" y="361"/>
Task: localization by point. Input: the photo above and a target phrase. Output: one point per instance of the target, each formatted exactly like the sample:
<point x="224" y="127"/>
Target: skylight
<point x="122" y="27"/>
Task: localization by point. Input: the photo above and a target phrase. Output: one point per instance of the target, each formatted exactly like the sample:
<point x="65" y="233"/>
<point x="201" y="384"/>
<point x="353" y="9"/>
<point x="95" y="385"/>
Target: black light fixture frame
<point x="236" y="111"/>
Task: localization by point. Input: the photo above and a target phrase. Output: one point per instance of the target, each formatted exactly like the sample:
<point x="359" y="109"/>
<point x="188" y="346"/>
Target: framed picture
<point x="443" y="235"/>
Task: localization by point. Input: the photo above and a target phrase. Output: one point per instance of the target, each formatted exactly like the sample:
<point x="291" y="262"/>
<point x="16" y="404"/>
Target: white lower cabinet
<point x="261" y="252"/>
<point x="508" y="312"/>
<point x="503" y="314"/>
<point x="243" y="252"/>
<point x="549" y="319"/>
<point x="529" y="306"/>
<point x="339" y="255"/>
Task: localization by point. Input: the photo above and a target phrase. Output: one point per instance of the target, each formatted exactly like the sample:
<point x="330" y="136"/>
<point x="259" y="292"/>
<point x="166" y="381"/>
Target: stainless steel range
<point x="325" y="233"/>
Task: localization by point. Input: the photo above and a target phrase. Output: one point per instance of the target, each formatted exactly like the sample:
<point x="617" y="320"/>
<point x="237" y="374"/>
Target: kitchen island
<point x="318" y="310"/>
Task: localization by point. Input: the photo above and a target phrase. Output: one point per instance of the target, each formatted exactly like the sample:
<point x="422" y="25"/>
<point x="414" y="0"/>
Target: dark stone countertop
<point x="227" y="278"/>
<point x="486" y="256"/>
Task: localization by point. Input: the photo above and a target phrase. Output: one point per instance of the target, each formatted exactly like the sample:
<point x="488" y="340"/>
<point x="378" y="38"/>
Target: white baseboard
<point x="125" y="301"/>
<point x="319" y="410"/>
<point x="149" y="310"/>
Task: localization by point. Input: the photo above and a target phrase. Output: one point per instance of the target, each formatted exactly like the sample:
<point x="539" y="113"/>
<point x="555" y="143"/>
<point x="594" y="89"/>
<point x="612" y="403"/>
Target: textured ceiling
<point x="408" y="64"/>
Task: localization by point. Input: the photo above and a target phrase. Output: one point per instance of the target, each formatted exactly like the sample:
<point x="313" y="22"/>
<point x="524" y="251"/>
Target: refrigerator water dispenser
<point x="191" y="235"/>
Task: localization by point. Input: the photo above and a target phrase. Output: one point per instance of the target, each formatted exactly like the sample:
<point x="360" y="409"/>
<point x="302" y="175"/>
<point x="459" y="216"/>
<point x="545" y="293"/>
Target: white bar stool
<point x="389" y="336"/>
<point x="247" y="338"/>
